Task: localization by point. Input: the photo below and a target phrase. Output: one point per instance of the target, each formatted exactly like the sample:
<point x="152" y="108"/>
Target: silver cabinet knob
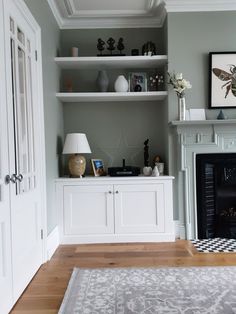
<point x="110" y="192"/>
<point x="117" y="192"/>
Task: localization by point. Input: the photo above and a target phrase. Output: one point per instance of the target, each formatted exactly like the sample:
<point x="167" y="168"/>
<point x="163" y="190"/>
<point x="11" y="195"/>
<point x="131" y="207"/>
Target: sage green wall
<point x="191" y="36"/>
<point x="53" y="112"/>
<point x="86" y="40"/>
<point x="115" y="130"/>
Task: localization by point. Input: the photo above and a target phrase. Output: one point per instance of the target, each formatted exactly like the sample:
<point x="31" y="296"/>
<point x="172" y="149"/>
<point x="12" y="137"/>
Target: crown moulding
<point x="80" y="14"/>
<point x="76" y="14"/>
<point x="200" y="5"/>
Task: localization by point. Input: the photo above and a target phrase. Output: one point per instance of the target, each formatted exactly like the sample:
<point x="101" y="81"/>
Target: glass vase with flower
<point x="180" y="84"/>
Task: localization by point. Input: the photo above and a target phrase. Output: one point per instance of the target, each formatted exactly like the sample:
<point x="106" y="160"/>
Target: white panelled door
<point x="24" y="145"/>
<point x="6" y="297"/>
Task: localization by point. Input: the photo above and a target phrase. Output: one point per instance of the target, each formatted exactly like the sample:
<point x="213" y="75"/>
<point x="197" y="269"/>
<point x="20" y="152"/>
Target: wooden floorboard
<point x="45" y="292"/>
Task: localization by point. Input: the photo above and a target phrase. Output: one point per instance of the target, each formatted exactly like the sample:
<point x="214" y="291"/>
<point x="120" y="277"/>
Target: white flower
<point x="186" y="84"/>
<point x="179" y="83"/>
<point x="179" y="76"/>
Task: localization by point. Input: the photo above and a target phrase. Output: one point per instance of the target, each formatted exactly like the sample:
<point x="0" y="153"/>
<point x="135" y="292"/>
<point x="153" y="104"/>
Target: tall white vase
<point x="121" y="84"/>
<point x="181" y="108"/>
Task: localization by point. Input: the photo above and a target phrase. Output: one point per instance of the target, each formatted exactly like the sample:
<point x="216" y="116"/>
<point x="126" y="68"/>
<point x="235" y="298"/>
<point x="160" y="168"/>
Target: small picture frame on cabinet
<point x="137" y="82"/>
<point x="98" y="167"/>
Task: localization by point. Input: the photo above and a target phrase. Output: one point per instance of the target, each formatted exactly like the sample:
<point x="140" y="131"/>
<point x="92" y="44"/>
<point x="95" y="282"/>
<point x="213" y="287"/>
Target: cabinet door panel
<point x="139" y="208"/>
<point x="88" y="209"/>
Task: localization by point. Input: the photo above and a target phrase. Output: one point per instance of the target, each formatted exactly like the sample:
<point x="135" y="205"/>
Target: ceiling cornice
<point x="56" y="13"/>
<point x="154" y="16"/>
<point x="200" y="5"/>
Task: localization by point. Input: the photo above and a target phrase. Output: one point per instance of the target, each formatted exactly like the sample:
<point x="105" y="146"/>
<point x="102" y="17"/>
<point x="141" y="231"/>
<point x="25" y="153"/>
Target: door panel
<point x="24" y="132"/>
<point x="88" y="209"/>
<point x="139" y="208"/>
<point x="6" y="298"/>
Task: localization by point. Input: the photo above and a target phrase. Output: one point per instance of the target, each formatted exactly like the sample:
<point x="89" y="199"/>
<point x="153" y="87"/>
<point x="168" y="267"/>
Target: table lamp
<point x="76" y="144"/>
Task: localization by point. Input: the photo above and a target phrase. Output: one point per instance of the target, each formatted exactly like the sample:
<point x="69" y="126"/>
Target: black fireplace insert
<point x="216" y="195"/>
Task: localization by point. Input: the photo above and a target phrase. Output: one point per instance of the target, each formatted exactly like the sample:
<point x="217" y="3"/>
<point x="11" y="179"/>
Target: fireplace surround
<point x="195" y="138"/>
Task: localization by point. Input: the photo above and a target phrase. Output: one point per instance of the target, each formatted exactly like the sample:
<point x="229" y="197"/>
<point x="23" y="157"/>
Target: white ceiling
<point x="127" y="13"/>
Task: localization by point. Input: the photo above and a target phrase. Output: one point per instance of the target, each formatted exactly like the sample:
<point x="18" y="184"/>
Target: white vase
<point x="181" y="108"/>
<point x="160" y="167"/>
<point x="147" y="171"/>
<point x="155" y="172"/>
<point x="121" y="84"/>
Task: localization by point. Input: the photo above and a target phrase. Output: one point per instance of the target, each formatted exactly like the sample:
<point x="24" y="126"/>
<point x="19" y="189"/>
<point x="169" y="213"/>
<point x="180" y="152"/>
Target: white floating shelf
<point x="202" y="122"/>
<point x="127" y="62"/>
<point x="111" y="96"/>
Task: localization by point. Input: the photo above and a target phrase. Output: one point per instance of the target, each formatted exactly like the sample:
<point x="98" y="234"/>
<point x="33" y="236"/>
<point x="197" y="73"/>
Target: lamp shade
<point x="76" y="143"/>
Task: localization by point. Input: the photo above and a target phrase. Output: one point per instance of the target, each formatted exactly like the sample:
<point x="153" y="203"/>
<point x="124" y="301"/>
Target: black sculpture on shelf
<point x="100" y="45"/>
<point x="110" y="47"/>
<point x="120" y="45"/>
<point x="146" y="153"/>
<point x="111" y="44"/>
<point x="149" y="49"/>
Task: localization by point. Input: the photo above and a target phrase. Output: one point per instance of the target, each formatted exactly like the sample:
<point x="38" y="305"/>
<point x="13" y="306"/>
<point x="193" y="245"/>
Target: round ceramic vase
<point x="121" y="84"/>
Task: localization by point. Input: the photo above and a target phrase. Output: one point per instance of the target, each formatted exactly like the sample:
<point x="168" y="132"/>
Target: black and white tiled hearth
<point x="215" y="245"/>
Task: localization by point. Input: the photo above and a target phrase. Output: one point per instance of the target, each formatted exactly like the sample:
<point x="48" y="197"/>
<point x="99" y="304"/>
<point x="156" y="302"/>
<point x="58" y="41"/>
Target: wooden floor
<point x="45" y="293"/>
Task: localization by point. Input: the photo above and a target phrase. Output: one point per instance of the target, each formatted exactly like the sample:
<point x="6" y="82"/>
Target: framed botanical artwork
<point x="98" y="167"/>
<point x="222" y="75"/>
<point x="137" y="82"/>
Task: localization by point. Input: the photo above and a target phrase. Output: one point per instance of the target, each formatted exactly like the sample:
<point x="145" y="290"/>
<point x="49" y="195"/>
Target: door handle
<point x="9" y="178"/>
<point x="19" y="177"/>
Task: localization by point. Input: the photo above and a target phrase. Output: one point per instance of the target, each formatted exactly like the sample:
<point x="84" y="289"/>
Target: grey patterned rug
<point x="192" y="290"/>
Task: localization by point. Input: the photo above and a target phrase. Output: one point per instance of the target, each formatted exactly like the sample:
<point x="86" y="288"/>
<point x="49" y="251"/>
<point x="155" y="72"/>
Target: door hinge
<point x="42" y="234"/>
<point x="36" y="55"/>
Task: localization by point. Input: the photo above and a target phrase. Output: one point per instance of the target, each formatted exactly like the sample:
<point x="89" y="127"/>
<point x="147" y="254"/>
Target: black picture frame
<point x="222" y="80"/>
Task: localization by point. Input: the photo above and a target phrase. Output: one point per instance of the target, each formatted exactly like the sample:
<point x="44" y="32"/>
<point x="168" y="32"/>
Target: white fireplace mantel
<point x="198" y="137"/>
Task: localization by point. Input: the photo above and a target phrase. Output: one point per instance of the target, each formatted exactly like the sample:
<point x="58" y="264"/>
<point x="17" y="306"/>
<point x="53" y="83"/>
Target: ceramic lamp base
<point x="77" y="165"/>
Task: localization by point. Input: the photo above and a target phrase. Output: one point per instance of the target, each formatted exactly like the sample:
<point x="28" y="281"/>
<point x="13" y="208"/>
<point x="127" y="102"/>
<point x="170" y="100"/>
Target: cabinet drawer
<point x="88" y="209"/>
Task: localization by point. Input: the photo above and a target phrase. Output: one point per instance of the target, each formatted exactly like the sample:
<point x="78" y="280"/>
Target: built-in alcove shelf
<point x="111" y="96"/>
<point x="113" y="62"/>
<point x="202" y="122"/>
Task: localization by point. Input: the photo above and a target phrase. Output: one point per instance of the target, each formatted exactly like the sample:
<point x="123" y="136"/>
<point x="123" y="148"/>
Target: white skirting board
<point x="52" y="242"/>
<point x="177" y="229"/>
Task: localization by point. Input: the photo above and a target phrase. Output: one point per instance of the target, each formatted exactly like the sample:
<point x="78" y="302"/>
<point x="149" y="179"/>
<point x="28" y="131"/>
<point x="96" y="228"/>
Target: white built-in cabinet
<point x="106" y="209"/>
<point x="22" y="166"/>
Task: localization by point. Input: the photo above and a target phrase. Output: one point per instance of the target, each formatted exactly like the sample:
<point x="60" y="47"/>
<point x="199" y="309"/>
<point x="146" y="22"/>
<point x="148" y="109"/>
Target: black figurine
<point x="146" y="153"/>
<point x="100" y="45"/>
<point x="120" y="45"/>
<point x="111" y="44"/>
<point x="149" y="49"/>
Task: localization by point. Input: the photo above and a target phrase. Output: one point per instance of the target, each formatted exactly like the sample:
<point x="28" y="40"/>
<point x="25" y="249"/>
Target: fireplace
<point x="216" y="195"/>
<point x="212" y="138"/>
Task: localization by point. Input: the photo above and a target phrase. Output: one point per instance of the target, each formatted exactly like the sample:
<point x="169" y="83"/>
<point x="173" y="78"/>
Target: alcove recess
<point x="116" y="127"/>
